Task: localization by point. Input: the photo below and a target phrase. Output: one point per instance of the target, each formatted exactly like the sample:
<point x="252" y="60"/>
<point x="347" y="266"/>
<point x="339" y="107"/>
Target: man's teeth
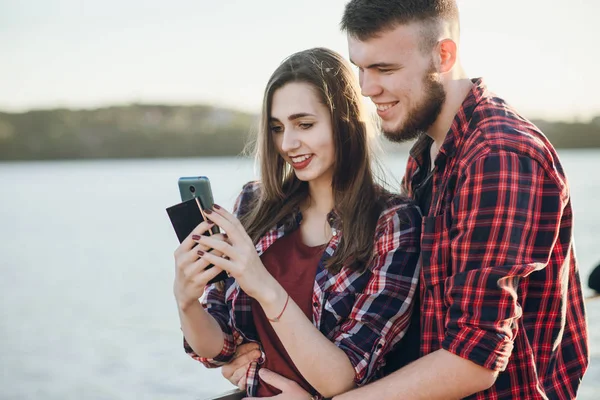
<point x="383" y="107"/>
<point x="300" y="158"/>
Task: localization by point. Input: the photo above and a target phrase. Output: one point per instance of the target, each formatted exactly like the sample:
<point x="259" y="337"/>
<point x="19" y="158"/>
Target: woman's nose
<point x="290" y="140"/>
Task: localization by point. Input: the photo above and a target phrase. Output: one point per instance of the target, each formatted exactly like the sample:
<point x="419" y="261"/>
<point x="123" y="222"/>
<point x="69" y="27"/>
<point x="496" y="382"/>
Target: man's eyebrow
<point x="380" y="65"/>
<point x="293" y="117"/>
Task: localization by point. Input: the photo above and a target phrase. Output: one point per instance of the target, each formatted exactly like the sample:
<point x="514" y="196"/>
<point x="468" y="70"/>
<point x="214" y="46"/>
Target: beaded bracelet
<point x="276" y="319"/>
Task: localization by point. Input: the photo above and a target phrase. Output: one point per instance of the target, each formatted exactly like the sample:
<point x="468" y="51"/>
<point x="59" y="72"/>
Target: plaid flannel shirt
<point x="499" y="280"/>
<point x="364" y="314"/>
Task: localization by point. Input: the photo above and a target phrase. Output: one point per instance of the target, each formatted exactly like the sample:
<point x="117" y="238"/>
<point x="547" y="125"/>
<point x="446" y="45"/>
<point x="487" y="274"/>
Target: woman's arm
<point x="201" y="331"/>
<point x="204" y="335"/>
<point x="379" y="314"/>
<point x="324" y="365"/>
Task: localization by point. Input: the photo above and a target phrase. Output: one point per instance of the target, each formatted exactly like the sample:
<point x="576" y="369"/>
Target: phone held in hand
<point x="196" y="196"/>
<point x="191" y="187"/>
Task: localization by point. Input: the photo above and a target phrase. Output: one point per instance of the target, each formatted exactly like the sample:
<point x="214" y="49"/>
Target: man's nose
<point x="369" y="84"/>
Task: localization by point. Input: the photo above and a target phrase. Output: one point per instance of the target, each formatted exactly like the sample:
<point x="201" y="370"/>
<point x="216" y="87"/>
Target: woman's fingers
<point x="197" y="275"/>
<point x="189" y="242"/>
<point x="218" y="245"/>
<point x="221" y="237"/>
<point x="205" y="276"/>
<point x="198" y="264"/>
<point x="227" y="222"/>
<point x="220" y="262"/>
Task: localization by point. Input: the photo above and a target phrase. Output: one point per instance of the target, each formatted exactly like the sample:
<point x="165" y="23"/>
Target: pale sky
<point x="540" y="55"/>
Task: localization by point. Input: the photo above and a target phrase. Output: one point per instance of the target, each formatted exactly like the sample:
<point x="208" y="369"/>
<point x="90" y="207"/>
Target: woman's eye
<point x="276" y="129"/>
<point x="305" y="126"/>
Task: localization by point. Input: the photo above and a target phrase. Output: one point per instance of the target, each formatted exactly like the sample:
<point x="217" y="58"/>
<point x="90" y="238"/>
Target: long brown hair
<point x="356" y="197"/>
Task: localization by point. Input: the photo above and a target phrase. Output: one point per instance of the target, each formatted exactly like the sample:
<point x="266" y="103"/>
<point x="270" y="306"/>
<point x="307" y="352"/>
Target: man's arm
<point x="439" y="375"/>
<point x="505" y="218"/>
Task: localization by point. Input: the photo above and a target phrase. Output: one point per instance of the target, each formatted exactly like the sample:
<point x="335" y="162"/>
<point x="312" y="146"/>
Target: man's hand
<point x="290" y="390"/>
<point x="235" y="371"/>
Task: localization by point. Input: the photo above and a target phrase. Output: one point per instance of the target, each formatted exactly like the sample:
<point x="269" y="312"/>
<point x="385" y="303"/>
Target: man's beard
<point x="420" y="118"/>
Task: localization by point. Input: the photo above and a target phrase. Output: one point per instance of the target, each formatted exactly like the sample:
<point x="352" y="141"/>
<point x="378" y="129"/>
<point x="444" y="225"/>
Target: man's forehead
<point x="388" y="47"/>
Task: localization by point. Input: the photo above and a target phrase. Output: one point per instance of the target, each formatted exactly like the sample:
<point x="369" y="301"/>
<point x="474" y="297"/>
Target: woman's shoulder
<point x="392" y="202"/>
<point x="397" y="206"/>
<point x="250" y="191"/>
<point x="251" y="187"/>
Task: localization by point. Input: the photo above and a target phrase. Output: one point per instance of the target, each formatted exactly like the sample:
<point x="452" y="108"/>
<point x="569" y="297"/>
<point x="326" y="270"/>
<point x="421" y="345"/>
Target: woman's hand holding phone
<point x="242" y="261"/>
<point x="190" y="275"/>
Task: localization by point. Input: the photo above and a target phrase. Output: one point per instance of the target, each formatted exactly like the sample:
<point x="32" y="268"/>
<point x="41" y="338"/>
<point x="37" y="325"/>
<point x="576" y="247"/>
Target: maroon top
<point x="294" y="265"/>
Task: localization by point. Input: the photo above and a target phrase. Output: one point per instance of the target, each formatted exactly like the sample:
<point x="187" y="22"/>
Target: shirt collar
<point x="333" y="218"/>
<point x="459" y="128"/>
<point x="293" y="221"/>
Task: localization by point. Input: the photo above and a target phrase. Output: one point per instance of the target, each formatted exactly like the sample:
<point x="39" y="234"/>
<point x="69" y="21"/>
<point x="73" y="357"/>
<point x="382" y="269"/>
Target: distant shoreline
<point x="141" y="131"/>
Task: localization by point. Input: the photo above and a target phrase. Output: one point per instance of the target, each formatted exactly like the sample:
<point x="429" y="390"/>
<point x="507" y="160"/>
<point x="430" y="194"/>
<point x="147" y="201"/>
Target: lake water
<point x="86" y="271"/>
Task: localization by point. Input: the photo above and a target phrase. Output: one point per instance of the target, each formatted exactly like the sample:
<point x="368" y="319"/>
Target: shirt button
<point x="315" y="304"/>
<point x="334" y="232"/>
<point x="379" y="346"/>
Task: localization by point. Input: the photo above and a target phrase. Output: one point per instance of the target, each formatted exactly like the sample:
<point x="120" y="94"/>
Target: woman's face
<point x="301" y="129"/>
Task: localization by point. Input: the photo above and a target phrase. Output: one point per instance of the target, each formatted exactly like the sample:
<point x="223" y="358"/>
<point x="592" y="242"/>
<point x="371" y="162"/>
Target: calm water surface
<point x="86" y="272"/>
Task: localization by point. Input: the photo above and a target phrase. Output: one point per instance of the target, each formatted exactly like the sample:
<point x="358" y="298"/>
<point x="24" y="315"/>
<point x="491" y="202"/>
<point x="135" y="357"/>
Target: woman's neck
<point x="314" y="229"/>
<point x="320" y="197"/>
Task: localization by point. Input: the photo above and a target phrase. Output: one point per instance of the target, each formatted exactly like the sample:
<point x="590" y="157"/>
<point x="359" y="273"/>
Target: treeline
<point x="137" y="131"/>
<point x="133" y="131"/>
<point x="572" y="135"/>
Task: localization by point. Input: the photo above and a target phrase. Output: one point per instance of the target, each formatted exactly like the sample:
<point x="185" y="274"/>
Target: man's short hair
<point x="367" y="19"/>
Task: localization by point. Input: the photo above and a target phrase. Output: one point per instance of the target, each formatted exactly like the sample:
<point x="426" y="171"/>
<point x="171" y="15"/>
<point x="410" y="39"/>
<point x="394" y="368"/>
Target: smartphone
<point x="197" y="187"/>
<point x="196" y="196"/>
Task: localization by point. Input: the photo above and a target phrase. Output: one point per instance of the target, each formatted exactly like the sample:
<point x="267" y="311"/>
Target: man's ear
<point x="446" y="55"/>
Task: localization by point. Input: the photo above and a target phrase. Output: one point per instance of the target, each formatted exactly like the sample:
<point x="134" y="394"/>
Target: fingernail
<point x="216" y="206"/>
<point x="208" y="211"/>
<point x="210" y="222"/>
<point x="195" y="237"/>
<point x="200" y="253"/>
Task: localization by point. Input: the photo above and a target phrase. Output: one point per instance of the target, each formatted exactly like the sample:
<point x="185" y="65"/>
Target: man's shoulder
<point x="496" y="127"/>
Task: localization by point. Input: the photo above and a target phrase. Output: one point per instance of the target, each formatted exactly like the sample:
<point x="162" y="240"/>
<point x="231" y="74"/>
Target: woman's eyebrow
<point x="294" y="117"/>
<point x="300" y="115"/>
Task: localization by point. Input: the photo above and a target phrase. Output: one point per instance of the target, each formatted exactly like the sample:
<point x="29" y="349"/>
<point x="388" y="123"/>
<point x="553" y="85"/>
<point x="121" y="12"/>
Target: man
<point x="501" y="308"/>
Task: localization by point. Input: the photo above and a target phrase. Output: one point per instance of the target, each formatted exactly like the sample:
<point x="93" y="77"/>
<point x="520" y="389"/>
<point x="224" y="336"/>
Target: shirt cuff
<point x="367" y="365"/>
<point x="487" y="349"/>
<point x="226" y="354"/>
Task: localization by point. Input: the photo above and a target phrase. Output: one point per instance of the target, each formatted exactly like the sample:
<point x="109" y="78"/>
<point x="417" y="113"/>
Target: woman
<point x="322" y="261"/>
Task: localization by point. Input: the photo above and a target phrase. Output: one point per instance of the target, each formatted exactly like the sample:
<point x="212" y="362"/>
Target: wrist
<point x="186" y="304"/>
<point x="272" y="296"/>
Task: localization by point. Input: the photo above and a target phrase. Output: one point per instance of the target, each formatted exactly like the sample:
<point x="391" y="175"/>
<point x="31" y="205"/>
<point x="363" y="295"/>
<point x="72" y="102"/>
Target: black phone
<point x="192" y="187"/>
<point x="188" y="214"/>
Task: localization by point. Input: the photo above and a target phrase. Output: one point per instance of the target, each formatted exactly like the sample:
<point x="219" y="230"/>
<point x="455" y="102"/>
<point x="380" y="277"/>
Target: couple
<point x="327" y="267"/>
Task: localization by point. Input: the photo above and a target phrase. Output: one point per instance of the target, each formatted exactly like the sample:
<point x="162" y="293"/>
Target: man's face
<point x="400" y="79"/>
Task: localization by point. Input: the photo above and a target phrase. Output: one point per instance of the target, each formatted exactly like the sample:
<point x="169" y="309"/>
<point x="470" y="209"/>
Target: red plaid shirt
<point x="499" y="280"/>
<point x="364" y="314"/>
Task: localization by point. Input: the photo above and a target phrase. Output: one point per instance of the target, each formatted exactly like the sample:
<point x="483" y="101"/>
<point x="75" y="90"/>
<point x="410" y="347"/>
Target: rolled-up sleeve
<point x="381" y="313"/>
<point x="506" y="218"/>
<point x="214" y="300"/>
<point x="214" y="303"/>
